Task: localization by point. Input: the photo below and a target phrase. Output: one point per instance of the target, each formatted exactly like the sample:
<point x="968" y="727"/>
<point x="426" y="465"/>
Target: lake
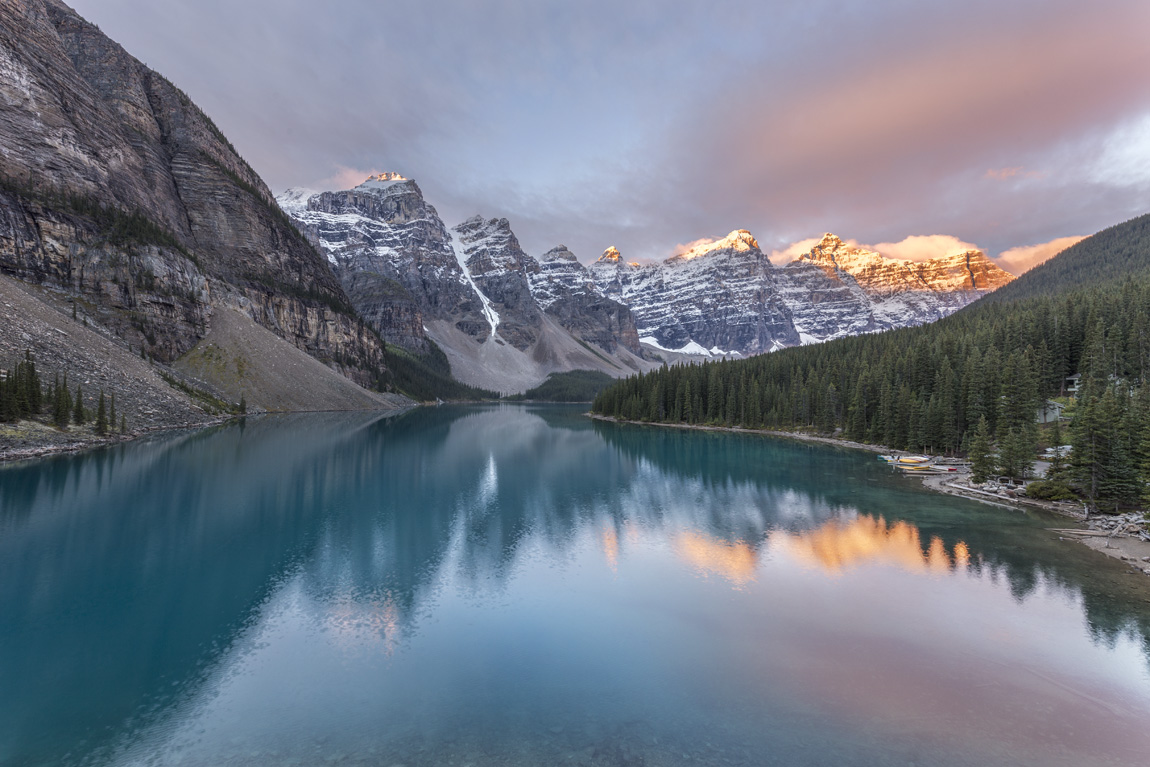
<point x="519" y="585"/>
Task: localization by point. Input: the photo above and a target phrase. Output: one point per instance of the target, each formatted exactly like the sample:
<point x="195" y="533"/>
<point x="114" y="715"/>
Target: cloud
<point x="900" y="139"/>
<point x="1125" y="155"/>
<point x="793" y="251"/>
<point x="683" y="247"/>
<point x="345" y="178"/>
<point x="1002" y="174"/>
<point x="1026" y="257"/>
<point x="650" y="123"/>
<point x="920" y="247"/>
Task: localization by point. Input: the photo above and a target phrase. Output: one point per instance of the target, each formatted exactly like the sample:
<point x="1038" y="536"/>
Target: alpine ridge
<point x="504" y="319"/>
<point x="473" y="290"/>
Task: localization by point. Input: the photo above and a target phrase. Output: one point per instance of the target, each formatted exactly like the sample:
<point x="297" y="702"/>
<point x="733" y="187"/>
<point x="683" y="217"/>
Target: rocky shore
<point x="27" y="440"/>
<point x="1121" y="536"/>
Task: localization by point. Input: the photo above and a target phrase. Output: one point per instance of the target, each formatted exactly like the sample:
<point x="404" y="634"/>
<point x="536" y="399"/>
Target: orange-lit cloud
<point x="923" y="247"/>
<point x="683" y="247"/>
<point x="794" y="250"/>
<point x="1004" y="173"/>
<point x="346" y="178"/>
<point x="1021" y="259"/>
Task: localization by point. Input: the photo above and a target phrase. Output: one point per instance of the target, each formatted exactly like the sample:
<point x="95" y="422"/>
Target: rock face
<point x="900" y="293"/>
<point x="717" y="298"/>
<point x="474" y="284"/>
<point x="393" y="255"/>
<point x="726" y="297"/>
<point x="500" y="272"/>
<point x="565" y="289"/>
<point x="119" y="190"/>
<point x="465" y="288"/>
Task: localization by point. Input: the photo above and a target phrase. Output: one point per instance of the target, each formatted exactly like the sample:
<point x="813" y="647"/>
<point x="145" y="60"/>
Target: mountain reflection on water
<point x="142" y="587"/>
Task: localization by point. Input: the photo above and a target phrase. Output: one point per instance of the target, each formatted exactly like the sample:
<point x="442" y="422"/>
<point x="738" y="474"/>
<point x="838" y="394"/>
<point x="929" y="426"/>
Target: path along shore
<point x="1101" y="532"/>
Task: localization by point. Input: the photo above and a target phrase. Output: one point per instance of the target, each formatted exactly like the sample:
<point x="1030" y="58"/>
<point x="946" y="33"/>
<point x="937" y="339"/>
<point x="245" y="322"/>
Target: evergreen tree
<point x="78" y="410"/>
<point x="1057" y="470"/>
<point x="1016" y="452"/>
<point x="101" y="416"/>
<point x="1100" y="458"/>
<point x="981" y="453"/>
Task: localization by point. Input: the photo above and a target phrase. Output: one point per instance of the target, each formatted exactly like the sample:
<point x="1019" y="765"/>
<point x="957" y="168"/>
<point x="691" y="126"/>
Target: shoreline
<point x="1117" y="545"/>
<point x="83" y="442"/>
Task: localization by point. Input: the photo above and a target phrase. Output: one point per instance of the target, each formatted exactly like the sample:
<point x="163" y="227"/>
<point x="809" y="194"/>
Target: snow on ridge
<point x="294" y="200"/>
<point x="739" y="240"/>
<point x="383" y="182"/>
<point x="488" y="310"/>
<point x="691" y="347"/>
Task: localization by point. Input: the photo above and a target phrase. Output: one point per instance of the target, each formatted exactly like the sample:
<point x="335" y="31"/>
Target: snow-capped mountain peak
<point x="386" y="184"/>
<point x="611" y="256"/>
<point x="739" y="240"/>
<point x="406" y="272"/>
<point x="832" y="252"/>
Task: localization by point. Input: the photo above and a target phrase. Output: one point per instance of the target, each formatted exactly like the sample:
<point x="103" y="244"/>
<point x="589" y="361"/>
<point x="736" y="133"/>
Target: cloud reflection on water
<point x="169" y="558"/>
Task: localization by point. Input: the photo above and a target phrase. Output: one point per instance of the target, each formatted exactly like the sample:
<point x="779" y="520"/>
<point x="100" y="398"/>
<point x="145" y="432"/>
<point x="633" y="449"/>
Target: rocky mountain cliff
<point x="907" y="292"/>
<point x="727" y="297"/>
<point x="116" y="189"/>
<point x="718" y="298"/>
<point x="474" y="284"/>
<point x="504" y="319"/>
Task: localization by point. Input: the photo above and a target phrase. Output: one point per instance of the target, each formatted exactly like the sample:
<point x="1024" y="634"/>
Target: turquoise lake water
<point x="520" y="585"/>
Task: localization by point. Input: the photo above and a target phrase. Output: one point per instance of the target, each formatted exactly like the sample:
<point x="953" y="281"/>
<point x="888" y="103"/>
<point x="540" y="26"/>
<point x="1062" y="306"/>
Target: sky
<point x="1013" y="126"/>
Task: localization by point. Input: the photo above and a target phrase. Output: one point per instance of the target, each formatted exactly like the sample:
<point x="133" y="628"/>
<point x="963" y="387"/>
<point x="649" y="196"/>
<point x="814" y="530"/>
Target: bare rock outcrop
<point x="120" y="190"/>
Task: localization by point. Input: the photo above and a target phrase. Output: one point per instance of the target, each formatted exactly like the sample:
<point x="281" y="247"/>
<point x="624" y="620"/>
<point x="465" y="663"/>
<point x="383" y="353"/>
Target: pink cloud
<point x="345" y="178"/>
<point x="683" y="247"/>
<point x="903" y="139"/>
<point x="1017" y="171"/>
<point x="917" y="247"/>
<point x="1020" y="259"/>
<point x="793" y="251"/>
<point x="923" y="247"/>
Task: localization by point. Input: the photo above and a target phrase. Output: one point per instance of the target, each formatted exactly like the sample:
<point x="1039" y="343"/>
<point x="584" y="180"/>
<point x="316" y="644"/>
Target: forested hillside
<point x="1112" y="254"/>
<point x="985" y="369"/>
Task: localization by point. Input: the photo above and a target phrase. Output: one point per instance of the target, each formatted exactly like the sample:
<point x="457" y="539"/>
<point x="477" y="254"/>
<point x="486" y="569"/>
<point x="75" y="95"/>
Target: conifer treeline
<point x="23" y="395"/>
<point x="928" y="388"/>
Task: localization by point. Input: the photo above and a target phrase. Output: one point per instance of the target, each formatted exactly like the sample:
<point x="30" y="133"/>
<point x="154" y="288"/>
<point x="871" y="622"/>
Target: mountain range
<point x="506" y="319"/>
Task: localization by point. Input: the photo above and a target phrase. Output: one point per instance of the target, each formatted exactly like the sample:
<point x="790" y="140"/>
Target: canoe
<point x="904" y="460"/>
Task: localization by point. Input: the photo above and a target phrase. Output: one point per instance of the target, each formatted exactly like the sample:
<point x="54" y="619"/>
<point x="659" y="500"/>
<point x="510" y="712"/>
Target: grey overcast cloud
<point x="1011" y="125"/>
